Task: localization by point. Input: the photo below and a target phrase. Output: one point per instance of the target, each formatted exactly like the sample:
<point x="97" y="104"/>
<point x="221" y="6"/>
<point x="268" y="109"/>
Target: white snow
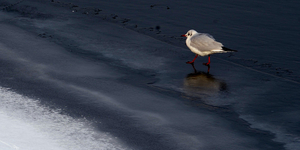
<point x="25" y="124"/>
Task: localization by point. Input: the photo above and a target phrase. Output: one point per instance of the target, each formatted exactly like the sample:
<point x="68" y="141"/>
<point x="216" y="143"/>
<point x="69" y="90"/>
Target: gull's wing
<point x="205" y="42"/>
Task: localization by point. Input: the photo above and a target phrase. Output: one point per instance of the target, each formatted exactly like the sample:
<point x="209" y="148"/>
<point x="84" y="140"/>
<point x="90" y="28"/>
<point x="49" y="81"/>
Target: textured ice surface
<point x="25" y="124"/>
<point x="112" y="62"/>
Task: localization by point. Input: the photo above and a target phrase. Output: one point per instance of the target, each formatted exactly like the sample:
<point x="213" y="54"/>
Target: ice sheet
<point x="113" y="62"/>
<point x="25" y="124"/>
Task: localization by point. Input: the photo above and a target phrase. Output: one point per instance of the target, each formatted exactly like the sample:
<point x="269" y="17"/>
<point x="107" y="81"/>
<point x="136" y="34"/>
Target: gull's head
<point x="190" y="33"/>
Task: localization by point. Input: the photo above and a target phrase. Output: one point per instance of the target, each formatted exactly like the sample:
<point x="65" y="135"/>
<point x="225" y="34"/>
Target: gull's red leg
<point x="206" y="64"/>
<point x="190" y="62"/>
<point x="208" y="68"/>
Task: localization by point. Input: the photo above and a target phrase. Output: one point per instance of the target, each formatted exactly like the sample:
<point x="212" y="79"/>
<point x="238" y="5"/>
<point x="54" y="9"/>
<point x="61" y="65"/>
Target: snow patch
<point x="26" y="124"/>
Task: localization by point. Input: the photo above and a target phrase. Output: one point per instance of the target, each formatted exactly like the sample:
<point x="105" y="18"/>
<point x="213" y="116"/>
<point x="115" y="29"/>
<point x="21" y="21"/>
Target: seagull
<point x="203" y="44"/>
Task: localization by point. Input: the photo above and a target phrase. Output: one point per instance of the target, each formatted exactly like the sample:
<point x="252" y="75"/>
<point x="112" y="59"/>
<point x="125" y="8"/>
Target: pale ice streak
<point x="204" y="44"/>
<point x="26" y="124"/>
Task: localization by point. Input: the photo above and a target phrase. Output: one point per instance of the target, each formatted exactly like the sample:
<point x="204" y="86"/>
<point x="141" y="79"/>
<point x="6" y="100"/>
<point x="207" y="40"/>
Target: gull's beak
<point x="183" y="35"/>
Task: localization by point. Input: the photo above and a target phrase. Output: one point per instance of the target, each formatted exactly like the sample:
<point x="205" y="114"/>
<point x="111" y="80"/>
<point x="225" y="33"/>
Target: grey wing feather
<point x="205" y="42"/>
<point x="208" y="35"/>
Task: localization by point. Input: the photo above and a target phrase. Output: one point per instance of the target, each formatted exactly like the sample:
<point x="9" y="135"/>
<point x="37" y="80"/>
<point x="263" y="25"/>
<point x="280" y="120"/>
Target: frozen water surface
<point x="26" y="124"/>
<point x="112" y="75"/>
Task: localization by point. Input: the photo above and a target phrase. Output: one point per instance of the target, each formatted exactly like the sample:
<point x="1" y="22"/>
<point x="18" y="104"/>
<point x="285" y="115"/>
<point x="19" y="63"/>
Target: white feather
<point x="203" y="44"/>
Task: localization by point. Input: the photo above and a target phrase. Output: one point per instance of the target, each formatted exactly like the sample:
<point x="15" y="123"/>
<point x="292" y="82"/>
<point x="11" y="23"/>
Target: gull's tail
<point x="228" y="50"/>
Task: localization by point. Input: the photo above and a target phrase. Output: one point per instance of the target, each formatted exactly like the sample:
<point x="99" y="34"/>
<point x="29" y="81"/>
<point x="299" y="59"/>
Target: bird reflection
<point x="208" y="67"/>
<point x="201" y="84"/>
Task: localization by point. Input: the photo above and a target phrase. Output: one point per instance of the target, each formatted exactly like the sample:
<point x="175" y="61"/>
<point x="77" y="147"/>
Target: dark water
<point x="112" y="75"/>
